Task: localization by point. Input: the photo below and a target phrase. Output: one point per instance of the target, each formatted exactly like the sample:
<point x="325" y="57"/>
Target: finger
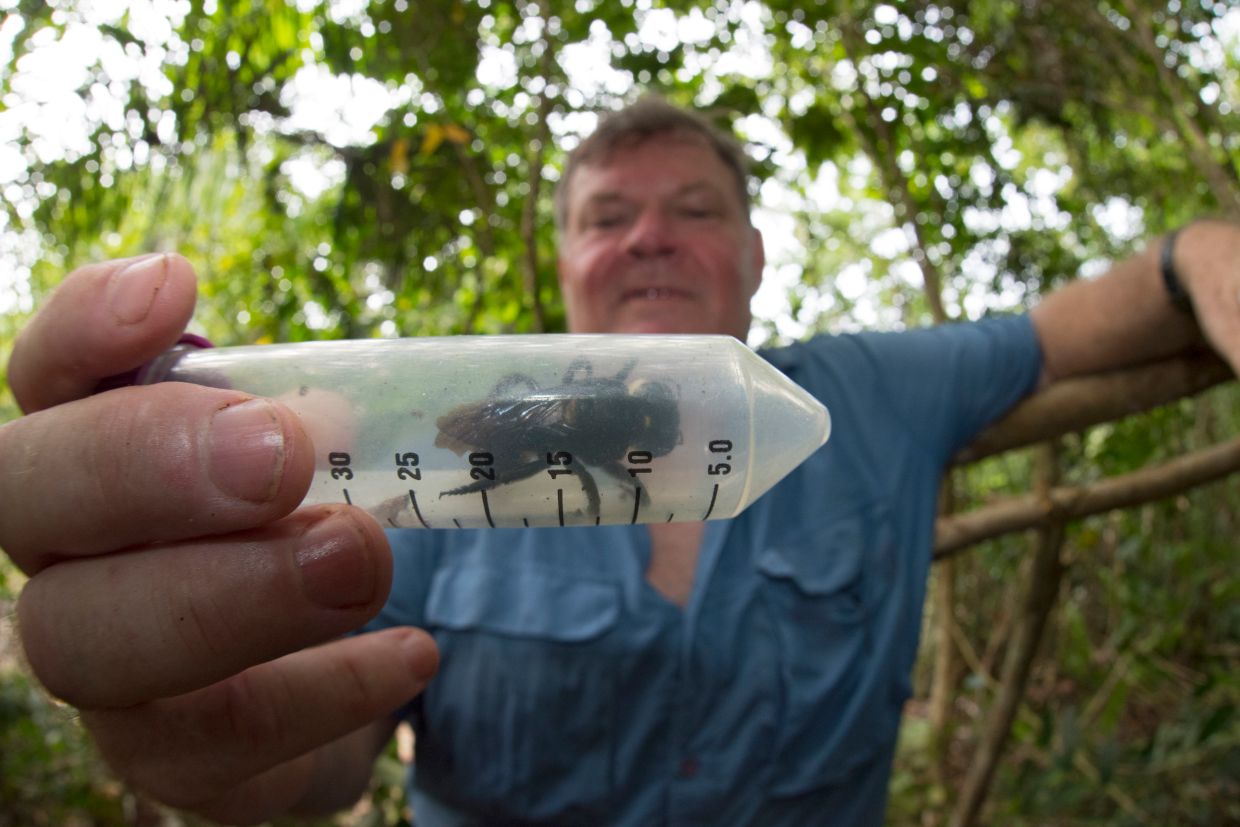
<point x="126" y="628"/>
<point x="103" y="319"/>
<point x="265" y="796"/>
<point x="233" y="750"/>
<point x="140" y="465"/>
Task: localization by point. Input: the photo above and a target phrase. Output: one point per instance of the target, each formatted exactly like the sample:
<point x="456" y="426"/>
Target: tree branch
<point x="485" y="234"/>
<point x="881" y="147"/>
<point x="1216" y="176"/>
<point x="1079" y="760"/>
<point x="1046" y="571"/>
<point x="529" y="222"/>
<point x="946" y="672"/>
<point x="538" y="148"/>
<point x="1076" y="404"/>
<point x="1146" y="485"/>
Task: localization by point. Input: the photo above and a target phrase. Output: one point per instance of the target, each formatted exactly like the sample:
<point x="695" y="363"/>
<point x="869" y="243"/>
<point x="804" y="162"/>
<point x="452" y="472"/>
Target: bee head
<point x="660" y="416"/>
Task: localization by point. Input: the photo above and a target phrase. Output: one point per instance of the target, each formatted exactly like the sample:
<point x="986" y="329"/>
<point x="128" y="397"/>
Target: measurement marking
<point x="713" y="495"/>
<point x="526" y="522"/>
<point x="486" y="507"/>
<point x="669" y="517"/>
<point x="559" y="504"/>
<point x="637" y="502"/>
<point x="414" y="500"/>
<point x="346" y="496"/>
<point x="728" y="457"/>
<point x="596" y="519"/>
<point x="456" y="522"/>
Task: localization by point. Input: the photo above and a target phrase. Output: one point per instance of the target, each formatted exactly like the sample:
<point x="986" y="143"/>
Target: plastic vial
<point x="544" y="430"/>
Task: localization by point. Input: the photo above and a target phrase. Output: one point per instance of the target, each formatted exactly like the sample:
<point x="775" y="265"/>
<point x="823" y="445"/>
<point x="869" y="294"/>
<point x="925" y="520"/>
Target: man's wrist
<point x="1179" y="297"/>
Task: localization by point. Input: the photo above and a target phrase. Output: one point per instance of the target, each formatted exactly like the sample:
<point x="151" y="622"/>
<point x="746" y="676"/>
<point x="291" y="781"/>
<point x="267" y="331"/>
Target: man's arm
<point x="1126" y="316"/>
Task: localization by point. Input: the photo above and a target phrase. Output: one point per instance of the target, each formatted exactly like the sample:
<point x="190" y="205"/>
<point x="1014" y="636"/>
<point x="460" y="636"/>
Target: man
<point x="749" y="671"/>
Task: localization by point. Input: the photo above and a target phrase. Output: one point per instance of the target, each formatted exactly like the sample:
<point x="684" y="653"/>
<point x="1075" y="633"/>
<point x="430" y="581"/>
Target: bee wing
<point x="483" y="423"/>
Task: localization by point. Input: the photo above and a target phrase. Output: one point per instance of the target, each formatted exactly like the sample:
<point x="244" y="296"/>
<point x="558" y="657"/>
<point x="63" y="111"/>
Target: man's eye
<point x="606" y="220"/>
<point x="698" y="211"/>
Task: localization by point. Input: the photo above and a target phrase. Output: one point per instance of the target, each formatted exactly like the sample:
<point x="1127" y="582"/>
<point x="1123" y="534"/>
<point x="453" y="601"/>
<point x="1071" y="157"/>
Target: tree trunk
<point x="1046" y="571"/>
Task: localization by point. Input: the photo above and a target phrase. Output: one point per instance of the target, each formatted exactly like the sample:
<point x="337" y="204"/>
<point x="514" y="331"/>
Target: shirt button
<point x="688" y="768"/>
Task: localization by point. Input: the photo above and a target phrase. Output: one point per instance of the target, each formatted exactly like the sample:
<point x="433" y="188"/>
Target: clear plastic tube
<point x="547" y="430"/>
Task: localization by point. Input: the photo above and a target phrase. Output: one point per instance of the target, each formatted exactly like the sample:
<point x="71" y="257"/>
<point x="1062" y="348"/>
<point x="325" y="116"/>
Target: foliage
<point x="48" y="775"/>
<point x="935" y="160"/>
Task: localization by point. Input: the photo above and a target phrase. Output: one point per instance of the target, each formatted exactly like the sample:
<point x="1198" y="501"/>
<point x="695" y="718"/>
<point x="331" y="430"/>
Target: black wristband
<point x="1171" y="279"/>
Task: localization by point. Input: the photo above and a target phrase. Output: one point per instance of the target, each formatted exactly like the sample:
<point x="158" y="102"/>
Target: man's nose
<point x="650" y="236"/>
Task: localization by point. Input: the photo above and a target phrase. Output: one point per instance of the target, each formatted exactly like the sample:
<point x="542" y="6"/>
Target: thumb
<point x="104" y="319"/>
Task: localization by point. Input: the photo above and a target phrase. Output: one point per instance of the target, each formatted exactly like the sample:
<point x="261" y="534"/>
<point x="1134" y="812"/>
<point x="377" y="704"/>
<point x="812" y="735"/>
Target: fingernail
<point x="132" y="289"/>
<point x="336" y="571"/>
<point x="247" y="450"/>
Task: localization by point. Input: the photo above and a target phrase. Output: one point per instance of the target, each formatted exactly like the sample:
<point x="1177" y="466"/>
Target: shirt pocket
<point x="518" y="722"/>
<point x="823" y="587"/>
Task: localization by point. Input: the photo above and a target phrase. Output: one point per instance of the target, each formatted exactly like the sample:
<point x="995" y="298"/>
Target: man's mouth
<point x="653" y="293"/>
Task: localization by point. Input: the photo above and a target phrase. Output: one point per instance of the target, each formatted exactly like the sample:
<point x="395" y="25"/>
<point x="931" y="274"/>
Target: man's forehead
<point x="612" y="174"/>
<point x="604" y="191"/>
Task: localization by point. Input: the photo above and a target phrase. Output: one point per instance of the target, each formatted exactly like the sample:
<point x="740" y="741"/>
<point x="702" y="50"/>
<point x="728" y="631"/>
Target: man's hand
<point x="174" y="593"/>
<point x="1207" y="261"/>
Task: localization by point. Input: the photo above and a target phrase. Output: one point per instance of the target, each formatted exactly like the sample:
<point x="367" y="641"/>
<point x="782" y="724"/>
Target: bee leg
<point x="504" y="473"/>
<point x="624" y="371"/>
<point x="582" y="366"/>
<point x="471" y="488"/>
<point x="616" y="470"/>
<point x="590" y="487"/>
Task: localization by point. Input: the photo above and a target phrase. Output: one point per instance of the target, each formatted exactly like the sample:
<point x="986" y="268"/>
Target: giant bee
<point x="585" y="422"/>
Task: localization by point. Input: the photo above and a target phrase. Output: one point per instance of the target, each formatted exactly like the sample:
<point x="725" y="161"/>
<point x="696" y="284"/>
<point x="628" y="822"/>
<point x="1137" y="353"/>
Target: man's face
<point x="656" y="240"/>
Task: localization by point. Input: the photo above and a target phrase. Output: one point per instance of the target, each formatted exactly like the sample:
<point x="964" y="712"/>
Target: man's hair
<point x="648" y="117"/>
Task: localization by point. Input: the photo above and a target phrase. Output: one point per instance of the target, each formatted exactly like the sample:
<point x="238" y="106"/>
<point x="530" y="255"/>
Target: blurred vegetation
<point x="923" y="160"/>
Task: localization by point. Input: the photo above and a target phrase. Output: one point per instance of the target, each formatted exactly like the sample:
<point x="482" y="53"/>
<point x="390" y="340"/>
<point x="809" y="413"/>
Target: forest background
<point x="356" y="169"/>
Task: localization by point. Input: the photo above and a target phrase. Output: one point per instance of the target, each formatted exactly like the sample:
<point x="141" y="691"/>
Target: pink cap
<point x="140" y="374"/>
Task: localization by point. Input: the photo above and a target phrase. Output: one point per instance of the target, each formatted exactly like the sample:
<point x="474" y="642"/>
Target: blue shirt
<point x="571" y="692"/>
